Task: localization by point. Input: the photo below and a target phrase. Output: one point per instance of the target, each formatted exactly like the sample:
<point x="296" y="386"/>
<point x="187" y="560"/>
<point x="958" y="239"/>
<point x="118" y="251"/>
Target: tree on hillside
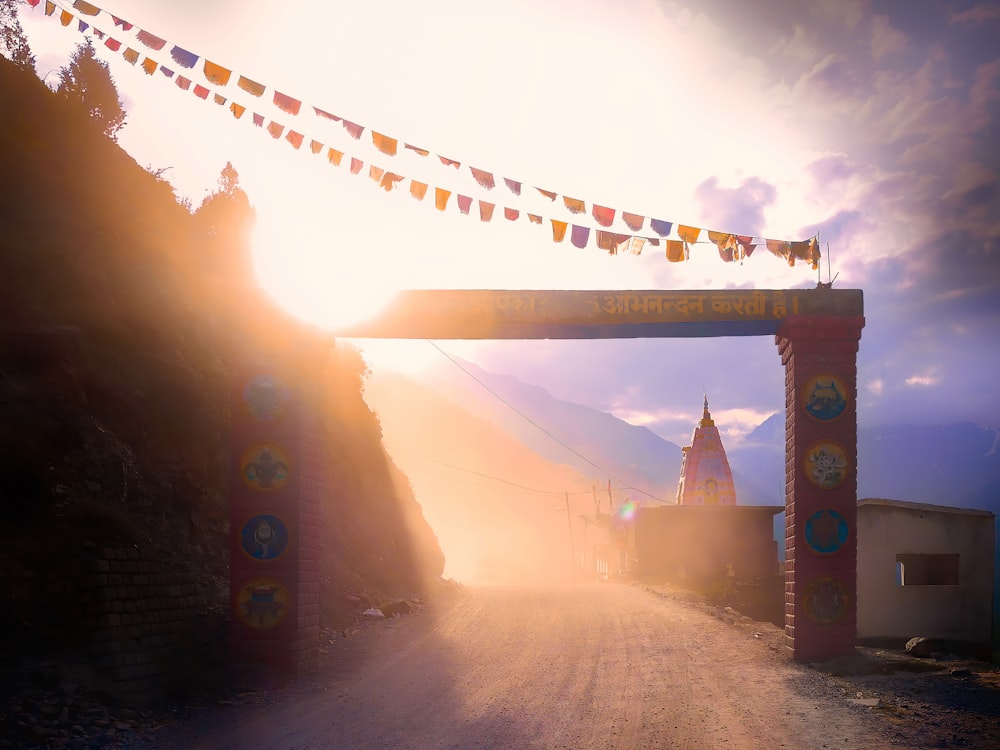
<point x="226" y="219"/>
<point x="13" y="43"/>
<point x="86" y="80"/>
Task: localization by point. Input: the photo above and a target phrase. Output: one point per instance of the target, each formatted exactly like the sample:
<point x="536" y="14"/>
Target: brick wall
<point x="133" y="622"/>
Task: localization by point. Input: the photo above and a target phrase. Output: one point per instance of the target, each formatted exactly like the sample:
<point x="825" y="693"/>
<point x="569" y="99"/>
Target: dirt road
<point x="601" y="666"/>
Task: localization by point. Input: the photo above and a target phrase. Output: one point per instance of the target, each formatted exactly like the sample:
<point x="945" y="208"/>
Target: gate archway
<point x="278" y="469"/>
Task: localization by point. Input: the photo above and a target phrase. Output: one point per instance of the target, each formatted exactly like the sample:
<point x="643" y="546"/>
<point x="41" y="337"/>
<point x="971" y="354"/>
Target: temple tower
<point x="706" y="478"/>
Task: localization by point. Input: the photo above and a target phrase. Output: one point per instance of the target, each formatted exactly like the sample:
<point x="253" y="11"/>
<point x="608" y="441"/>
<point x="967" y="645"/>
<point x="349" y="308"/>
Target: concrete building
<point x="924" y="570"/>
<point x="706" y="536"/>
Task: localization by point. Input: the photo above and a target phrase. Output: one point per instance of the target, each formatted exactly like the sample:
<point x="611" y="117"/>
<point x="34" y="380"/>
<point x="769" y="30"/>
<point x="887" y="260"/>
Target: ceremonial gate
<point x="278" y="467"/>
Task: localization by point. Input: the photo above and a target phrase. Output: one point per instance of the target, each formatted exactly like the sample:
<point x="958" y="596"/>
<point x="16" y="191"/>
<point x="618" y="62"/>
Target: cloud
<point x="739" y="209"/>
<point x="976" y="15"/>
<point x="923" y="380"/>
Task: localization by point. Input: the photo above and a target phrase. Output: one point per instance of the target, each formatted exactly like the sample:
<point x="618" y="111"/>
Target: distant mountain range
<point x="545" y="440"/>
<point x="956" y="465"/>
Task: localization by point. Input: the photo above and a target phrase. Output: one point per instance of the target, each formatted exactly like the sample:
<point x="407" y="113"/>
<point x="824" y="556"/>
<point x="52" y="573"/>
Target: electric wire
<point x="505" y="402"/>
<point x="559" y="493"/>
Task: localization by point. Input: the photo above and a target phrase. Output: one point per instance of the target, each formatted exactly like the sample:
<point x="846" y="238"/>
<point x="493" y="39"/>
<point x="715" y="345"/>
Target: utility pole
<point x="572" y="551"/>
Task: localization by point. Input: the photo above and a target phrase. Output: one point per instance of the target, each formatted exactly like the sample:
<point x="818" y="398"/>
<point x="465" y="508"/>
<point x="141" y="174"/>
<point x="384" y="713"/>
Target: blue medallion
<point x="826" y="531"/>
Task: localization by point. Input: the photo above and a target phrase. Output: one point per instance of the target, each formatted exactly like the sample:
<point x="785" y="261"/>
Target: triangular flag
<point x="661" y="227"/>
<point x="384" y="143"/>
<point x="295" y="139"/>
<point x="200" y="91"/>
<point x="237" y="110"/>
<point x="675" y="251"/>
<point x="548" y="194"/>
<point x="441" y="198"/>
<point x="688" y="234"/>
<point x="275" y="129"/>
<point x="286" y="103"/>
<point x="121" y="22"/>
<point x="216" y="73"/>
<point x="603" y="215"/>
<point x="183" y="83"/>
<point x="183" y="58"/>
<point x="131" y="56"/>
<point x="416" y="149"/>
<point x="579" y="236"/>
<point x="315" y="146"/>
<point x="464" y="203"/>
<point x="575" y="205"/>
<point x="633" y="221"/>
<point x="558" y="230"/>
<point x="511" y="214"/>
<point x="418" y="189"/>
<point x="356" y="165"/>
<point x="50" y="7"/>
<point x="486" y="210"/>
<point x="513" y="185"/>
<point x="483" y="178"/>
<point x="149" y="66"/>
<point x="65" y="18"/>
<point x="334" y="156"/>
<point x="251" y="87"/>
<point x="534" y="218"/>
<point x="219" y="99"/>
<point x="167" y="71"/>
<point x="86" y="8"/>
<point x="258" y="120"/>
<point x="151" y="41"/>
<point x="375" y="173"/>
<point x="449" y="162"/>
<point x="353" y="129"/>
<point x="325" y="114"/>
<point x="389" y="180"/>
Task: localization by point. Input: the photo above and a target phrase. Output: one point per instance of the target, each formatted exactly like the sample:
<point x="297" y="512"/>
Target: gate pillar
<point x="276" y="485"/>
<point x="821" y="450"/>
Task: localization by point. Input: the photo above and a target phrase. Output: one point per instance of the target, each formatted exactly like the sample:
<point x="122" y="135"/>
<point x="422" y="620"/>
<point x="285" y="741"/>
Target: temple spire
<point x="706" y="478"/>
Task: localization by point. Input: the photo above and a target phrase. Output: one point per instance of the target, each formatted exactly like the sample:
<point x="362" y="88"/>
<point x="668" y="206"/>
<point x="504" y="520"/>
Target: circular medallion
<point x="825" y="600"/>
<point x="265" y="467"/>
<point x="262" y="603"/>
<point x="824" y="397"/>
<point x="264" y="537"/>
<point x="825" y="465"/>
<point x="826" y="531"/>
<point x="265" y="398"/>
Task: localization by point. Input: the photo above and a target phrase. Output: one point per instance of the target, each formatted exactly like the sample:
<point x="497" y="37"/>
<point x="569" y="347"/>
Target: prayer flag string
<point x="731" y="247"/>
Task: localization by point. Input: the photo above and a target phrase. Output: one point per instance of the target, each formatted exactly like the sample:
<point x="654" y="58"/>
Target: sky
<point x="874" y="124"/>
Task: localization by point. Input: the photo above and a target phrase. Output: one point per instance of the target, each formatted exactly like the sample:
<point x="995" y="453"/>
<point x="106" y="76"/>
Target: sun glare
<point x="307" y="273"/>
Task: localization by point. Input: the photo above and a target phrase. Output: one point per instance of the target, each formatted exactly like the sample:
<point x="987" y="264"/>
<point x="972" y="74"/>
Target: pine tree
<point x="226" y="220"/>
<point x="86" y="80"/>
<point x="13" y="43"/>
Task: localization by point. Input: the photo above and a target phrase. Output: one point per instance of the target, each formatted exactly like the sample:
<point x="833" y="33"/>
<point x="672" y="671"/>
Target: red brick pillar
<point x="276" y="487"/>
<point x="821" y="484"/>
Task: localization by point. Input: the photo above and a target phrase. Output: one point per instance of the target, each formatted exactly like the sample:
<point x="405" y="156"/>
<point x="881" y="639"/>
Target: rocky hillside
<point x="122" y="312"/>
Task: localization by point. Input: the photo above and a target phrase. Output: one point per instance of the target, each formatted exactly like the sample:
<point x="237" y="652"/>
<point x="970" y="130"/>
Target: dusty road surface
<point x="600" y="666"/>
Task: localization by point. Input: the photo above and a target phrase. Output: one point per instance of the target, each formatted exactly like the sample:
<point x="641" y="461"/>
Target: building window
<point x="927" y="570"/>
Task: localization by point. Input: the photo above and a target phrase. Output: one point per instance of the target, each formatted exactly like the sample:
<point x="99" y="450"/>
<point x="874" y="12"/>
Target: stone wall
<point x="135" y="624"/>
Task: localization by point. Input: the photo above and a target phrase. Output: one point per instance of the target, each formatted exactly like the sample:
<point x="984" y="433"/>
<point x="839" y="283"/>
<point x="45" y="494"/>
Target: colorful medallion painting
<point x="264" y="537"/>
<point x="826" y="531"/>
<point x="826" y="465"/>
<point x="265" y="467"/>
<point x="266" y="398"/>
<point x="824" y="397"/>
<point x="262" y="603"/>
<point x="825" y="600"/>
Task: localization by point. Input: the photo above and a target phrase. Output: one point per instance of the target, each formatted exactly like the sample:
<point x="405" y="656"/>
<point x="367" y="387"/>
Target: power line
<point x="560" y="493"/>
<point x="524" y="416"/>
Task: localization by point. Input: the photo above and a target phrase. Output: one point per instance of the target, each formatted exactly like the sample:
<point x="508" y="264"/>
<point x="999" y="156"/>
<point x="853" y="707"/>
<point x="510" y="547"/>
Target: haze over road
<point x="596" y="666"/>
